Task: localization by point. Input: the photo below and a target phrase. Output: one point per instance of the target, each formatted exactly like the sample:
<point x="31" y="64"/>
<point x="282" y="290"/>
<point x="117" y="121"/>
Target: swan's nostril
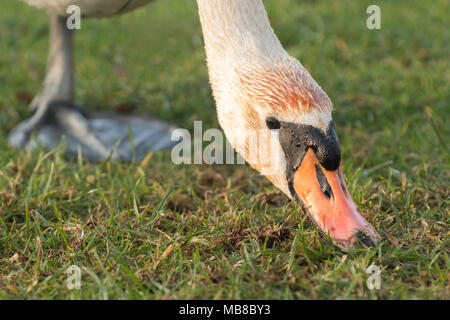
<point x="365" y="239"/>
<point x="323" y="182"/>
<point x="341" y="181"/>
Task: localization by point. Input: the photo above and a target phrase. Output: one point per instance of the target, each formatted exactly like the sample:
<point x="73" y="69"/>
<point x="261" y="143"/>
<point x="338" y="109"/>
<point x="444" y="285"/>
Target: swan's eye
<point x="273" y="123"/>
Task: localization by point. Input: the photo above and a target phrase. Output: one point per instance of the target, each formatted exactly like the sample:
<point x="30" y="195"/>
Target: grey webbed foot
<point x="99" y="135"/>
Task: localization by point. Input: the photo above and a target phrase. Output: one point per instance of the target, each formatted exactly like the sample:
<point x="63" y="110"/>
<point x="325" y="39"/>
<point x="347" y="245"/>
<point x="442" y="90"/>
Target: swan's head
<point x="279" y="119"/>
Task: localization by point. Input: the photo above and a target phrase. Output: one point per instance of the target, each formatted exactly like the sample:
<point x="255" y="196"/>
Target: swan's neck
<point x="236" y="31"/>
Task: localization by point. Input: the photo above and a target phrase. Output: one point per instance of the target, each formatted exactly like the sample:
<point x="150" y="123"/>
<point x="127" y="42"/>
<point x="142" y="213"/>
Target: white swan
<point x="258" y="88"/>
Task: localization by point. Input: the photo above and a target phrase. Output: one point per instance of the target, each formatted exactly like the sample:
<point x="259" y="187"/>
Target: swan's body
<point x="88" y="8"/>
<point x="259" y="89"/>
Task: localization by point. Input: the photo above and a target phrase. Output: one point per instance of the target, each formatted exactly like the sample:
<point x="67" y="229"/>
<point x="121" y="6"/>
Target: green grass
<point x="154" y="230"/>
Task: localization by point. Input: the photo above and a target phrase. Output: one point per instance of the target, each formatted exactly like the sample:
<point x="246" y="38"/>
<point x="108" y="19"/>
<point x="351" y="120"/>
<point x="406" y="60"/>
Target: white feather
<point x="89" y="8"/>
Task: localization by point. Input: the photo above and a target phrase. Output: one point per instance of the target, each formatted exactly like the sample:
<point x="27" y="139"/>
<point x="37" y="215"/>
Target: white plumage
<point x="89" y="8"/>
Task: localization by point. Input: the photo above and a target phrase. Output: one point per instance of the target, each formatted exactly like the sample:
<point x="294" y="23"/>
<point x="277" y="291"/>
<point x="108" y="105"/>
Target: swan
<point x="257" y="87"/>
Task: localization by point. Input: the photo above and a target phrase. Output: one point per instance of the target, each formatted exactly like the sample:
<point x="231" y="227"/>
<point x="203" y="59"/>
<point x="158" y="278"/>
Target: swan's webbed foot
<point x="99" y="135"/>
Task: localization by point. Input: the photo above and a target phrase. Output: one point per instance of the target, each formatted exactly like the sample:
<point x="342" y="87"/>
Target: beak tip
<point x="360" y="239"/>
<point x="366" y="240"/>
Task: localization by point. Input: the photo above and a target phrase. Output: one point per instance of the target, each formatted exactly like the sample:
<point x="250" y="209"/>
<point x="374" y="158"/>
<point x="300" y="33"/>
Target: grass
<point x="152" y="230"/>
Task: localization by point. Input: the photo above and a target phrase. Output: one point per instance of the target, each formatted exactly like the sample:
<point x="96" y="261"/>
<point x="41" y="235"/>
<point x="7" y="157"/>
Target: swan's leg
<point x="56" y="114"/>
<point x="57" y="90"/>
<point x="58" y="83"/>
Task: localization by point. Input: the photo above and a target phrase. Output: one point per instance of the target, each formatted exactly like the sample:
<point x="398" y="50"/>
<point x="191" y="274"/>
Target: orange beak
<point x="327" y="200"/>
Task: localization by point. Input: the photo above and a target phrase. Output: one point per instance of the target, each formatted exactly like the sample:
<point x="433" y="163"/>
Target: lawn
<point x="155" y="230"/>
